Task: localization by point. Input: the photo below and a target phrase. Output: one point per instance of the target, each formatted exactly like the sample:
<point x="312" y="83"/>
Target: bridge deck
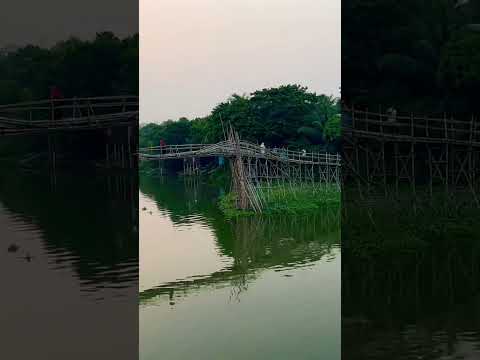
<point x="411" y="129"/>
<point x="245" y="149"/>
<point x="68" y="114"/>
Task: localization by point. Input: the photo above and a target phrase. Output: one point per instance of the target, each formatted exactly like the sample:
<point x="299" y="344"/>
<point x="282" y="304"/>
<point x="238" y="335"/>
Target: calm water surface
<point x="73" y="252"/>
<point x="247" y="289"/>
<point x="410" y="282"/>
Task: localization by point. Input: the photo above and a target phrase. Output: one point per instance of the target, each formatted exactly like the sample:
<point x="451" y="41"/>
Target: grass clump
<point x="287" y="199"/>
<point x="228" y="205"/>
<point x="299" y="199"/>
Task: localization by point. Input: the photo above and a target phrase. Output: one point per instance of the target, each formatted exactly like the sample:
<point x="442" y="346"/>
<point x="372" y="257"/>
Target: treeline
<point x="104" y="66"/>
<point x="288" y="115"/>
<point x="416" y="55"/>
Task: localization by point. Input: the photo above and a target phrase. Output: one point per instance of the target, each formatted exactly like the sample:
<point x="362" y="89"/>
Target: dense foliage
<point x="104" y="66"/>
<point x="288" y="115"/>
<point x="415" y="55"/>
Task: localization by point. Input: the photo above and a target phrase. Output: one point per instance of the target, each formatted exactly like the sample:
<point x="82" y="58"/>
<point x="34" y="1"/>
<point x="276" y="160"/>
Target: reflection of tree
<point x="187" y="202"/>
<point x="284" y="240"/>
<point x="254" y="243"/>
<point x="87" y="223"/>
<point x="406" y="276"/>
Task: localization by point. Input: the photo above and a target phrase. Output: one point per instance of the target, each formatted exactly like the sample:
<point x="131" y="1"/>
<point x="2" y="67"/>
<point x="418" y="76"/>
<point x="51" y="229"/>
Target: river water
<point x="410" y="280"/>
<point x="68" y="266"/>
<point x="257" y="288"/>
<point x="210" y="288"/>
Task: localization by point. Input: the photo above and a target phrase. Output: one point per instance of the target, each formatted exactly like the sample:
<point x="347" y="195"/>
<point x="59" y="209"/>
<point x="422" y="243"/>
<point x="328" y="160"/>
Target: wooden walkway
<point x="57" y="115"/>
<point x="411" y="128"/>
<point x="253" y="166"/>
<point x="228" y="149"/>
<point x="427" y="154"/>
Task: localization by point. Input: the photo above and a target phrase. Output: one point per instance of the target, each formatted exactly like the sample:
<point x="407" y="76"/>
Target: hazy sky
<point x="194" y="54"/>
<point x="46" y="22"/>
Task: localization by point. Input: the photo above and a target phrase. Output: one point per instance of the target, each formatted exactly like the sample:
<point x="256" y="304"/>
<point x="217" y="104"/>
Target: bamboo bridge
<point x="261" y="163"/>
<point x="253" y="166"/>
<point x="421" y="153"/>
<point x="55" y="115"/>
<point x="113" y="118"/>
<point x="247" y="149"/>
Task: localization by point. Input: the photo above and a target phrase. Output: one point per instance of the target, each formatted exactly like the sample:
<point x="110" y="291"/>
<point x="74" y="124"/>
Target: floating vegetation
<point x="287" y="199"/>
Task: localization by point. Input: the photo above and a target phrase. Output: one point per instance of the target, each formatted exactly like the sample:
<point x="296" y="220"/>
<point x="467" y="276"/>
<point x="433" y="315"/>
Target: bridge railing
<point x="72" y="111"/>
<point x="426" y="128"/>
<point x="245" y="149"/>
<point x="171" y="149"/>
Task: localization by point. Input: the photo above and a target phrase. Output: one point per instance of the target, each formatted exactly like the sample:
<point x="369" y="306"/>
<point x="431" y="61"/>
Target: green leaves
<point x="415" y="55"/>
<point x="285" y="115"/>
<point x="332" y="129"/>
<point x="460" y="63"/>
<point x="107" y="65"/>
<point x="288" y="115"/>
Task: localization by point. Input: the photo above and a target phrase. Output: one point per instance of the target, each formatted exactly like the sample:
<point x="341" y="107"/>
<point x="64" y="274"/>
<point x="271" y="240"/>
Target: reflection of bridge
<point x="68" y="114"/>
<point x="260" y="244"/>
<point x="386" y="149"/>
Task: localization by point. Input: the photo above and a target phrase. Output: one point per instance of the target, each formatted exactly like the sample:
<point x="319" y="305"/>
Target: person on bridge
<point x="392" y="114"/>
<point x="162" y="145"/>
<point x="304" y="152"/>
<point x="262" y="148"/>
<point x="55" y="95"/>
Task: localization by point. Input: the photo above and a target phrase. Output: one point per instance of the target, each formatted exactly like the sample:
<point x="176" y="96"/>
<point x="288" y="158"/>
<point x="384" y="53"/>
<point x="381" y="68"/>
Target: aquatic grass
<point x="299" y="198"/>
<point x="228" y="205"/>
<point x="407" y="223"/>
<point x="286" y="199"/>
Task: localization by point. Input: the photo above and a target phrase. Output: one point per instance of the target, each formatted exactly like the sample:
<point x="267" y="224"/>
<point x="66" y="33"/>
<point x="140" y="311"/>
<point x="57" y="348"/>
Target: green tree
<point x="104" y="66"/>
<point x="289" y="115"/>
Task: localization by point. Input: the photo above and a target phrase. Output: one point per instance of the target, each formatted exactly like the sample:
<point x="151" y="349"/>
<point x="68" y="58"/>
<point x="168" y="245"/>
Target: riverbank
<point x="286" y="199"/>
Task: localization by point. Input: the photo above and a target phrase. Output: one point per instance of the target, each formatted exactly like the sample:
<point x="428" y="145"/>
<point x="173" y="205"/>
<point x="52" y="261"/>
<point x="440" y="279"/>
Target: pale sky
<point x="46" y="22"/>
<point x="194" y="54"/>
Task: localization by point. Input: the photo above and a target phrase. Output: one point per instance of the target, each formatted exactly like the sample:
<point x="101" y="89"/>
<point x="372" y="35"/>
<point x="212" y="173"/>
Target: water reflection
<point x="256" y="244"/>
<point x="236" y="280"/>
<point x="85" y="224"/>
<point x="73" y="251"/>
<point x="279" y="243"/>
<point x="410" y="281"/>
